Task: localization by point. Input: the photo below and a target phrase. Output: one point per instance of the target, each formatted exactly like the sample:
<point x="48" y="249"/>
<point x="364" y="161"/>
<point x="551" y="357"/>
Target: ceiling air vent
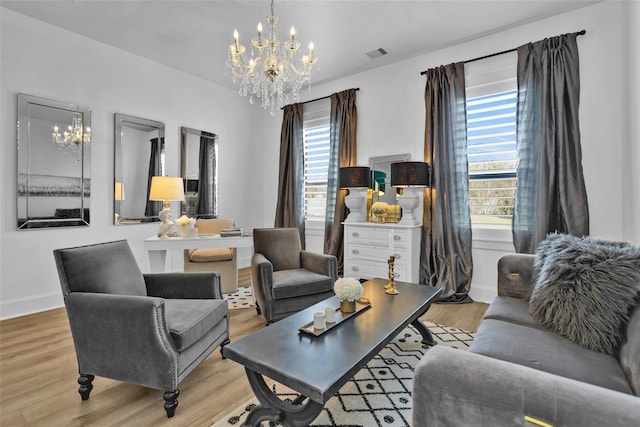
<point x="376" y="53"/>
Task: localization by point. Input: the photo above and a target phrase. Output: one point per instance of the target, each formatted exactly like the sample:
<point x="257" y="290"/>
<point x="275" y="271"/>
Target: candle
<point x="391" y="249"/>
<point x="260" y="32"/>
<point x="293" y="34"/>
<point x="311" y="52"/>
<point x="235" y="38"/>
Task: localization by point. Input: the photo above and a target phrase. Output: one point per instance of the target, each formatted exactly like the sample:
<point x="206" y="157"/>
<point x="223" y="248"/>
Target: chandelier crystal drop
<point x="273" y="69"/>
<point x="72" y="139"/>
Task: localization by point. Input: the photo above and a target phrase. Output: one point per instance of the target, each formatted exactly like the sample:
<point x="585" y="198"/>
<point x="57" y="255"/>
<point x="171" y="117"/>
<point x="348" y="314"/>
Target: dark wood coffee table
<point x="317" y="366"/>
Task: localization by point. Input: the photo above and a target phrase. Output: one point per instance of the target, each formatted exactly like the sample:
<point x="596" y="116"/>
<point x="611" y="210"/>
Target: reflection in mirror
<point x="139" y="155"/>
<point x="54" y="162"/>
<point x="381" y="189"/>
<point x="199" y="169"/>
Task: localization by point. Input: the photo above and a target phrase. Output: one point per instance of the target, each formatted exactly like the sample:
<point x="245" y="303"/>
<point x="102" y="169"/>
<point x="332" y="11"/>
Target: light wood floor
<point x="38" y="373"/>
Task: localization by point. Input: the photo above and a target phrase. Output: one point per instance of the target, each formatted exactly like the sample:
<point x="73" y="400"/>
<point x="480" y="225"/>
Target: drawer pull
<point x="396" y="256"/>
<point x="355" y="234"/>
<point x="397" y="237"/>
<point x="396" y="275"/>
<point x="354" y="268"/>
<point x="355" y="251"/>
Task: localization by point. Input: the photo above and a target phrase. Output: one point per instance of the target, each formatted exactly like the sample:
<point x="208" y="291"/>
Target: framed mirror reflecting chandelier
<point x="273" y="69"/>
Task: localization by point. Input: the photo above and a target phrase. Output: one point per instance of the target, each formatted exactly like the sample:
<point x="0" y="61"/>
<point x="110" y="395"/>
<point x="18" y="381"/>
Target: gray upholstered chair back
<point x="107" y="268"/>
<point x="281" y="246"/>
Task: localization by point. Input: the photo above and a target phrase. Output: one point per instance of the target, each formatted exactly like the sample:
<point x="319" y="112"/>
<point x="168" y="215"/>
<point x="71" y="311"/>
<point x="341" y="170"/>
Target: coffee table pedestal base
<point x="290" y="414"/>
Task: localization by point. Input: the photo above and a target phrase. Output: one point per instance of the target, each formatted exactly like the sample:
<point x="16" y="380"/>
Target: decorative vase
<point x="347" y="306"/>
<point x="188" y="231"/>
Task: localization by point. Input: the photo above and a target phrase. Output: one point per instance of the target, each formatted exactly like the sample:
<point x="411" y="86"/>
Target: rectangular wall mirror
<point x="54" y="163"/>
<point x="381" y="189"/>
<point x="139" y="155"/>
<point x="199" y="169"/>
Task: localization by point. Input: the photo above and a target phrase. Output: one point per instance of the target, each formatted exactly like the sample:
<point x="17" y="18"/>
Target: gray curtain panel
<point x="290" y="206"/>
<point x="343" y="151"/>
<point x="155" y="169"/>
<point x="445" y="256"/>
<point x="206" y="207"/>
<point x="551" y="194"/>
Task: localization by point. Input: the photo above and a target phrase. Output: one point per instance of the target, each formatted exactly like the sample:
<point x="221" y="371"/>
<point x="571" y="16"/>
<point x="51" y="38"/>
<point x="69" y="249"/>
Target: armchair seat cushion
<point x="190" y="319"/>
<point x="299" y="282"/>
<point x="514" y="310"/>
<point x="211" y="255"/>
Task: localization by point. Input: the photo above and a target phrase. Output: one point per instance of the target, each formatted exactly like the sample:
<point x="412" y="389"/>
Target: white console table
<point x="157" y="248"/>
<point x="367" y="247"/>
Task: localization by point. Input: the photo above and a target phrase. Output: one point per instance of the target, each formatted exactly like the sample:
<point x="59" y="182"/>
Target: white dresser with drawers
<point x="367" y="247"/>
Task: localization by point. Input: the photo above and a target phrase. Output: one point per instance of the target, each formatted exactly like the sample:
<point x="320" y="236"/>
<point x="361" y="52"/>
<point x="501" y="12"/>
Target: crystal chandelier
<point x="274" y="70"/>
<point x="73" y="138"/>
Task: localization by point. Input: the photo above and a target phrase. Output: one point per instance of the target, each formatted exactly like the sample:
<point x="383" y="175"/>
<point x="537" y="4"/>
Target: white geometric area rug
<point x="242" y="298"/>
<point x="380" y="393"/>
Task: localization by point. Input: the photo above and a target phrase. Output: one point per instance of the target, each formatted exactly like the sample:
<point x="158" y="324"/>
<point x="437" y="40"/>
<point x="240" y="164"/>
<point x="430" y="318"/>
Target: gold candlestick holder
<point x="390" y="287"/>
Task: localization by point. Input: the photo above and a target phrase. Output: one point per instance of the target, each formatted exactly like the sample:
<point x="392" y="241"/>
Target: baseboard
<point x="33" y="304"/>
<point x="482" y="294"/>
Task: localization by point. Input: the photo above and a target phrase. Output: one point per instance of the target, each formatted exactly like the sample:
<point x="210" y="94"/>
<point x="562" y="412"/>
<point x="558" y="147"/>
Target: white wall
<point x="36" y="60"/>
<point x="391" y="119"/>
<point x="631" y="219"/>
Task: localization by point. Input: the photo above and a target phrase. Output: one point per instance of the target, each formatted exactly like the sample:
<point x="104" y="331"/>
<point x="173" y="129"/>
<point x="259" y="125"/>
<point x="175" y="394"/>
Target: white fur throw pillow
<point x="585" y="289"/>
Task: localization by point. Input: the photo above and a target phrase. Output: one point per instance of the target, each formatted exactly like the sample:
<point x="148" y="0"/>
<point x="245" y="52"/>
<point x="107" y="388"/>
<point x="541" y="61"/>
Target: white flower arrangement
<point x="347" y="289"/>
<point x="185" y="220"/>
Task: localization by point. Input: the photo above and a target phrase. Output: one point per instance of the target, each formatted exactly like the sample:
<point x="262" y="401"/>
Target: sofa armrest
<point x="184" y="285"/>
<point x="123" y="337"/>
<point x="515" y="275"/>
<point x="453" y="387"/>
<point x="319" y="263"/>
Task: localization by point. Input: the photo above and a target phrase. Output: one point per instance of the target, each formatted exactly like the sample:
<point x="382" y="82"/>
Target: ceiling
<point x="193" y="36"/>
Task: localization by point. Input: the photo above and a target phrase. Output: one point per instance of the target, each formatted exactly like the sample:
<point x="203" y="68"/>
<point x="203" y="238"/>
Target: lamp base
<point x="409" y="202"/>
<point x="356" y="201"/>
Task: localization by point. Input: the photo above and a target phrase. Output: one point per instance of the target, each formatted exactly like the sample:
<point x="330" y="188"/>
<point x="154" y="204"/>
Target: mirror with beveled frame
<point x="54" y="163"/>
<point x="199" y="169"/>
<point x="381" y="189"/>
<point x="139" y="155"/>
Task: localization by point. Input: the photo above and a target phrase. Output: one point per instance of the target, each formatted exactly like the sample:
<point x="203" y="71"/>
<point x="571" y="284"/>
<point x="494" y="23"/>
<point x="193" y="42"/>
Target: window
<point x="491" y="139"/>
<point x="316" y="159"/>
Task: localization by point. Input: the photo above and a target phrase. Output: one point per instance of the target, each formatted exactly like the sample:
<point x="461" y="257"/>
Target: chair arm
<point x="184" y="285"/>
<point x="453" y="387"/>
<point x="123" y="337"/>
<point x="262" y="276"/>
<point x="320" y="263"/>
<point x="515" y="275"/>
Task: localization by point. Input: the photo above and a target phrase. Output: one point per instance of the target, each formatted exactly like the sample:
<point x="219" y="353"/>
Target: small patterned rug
<point x="380" y="393"/>
<point x="242" y="298"/>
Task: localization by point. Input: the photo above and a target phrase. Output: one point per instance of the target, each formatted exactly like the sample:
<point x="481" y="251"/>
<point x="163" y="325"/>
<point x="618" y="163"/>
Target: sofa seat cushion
<point x="514" y="310"/>
<point x="190" y="319"/>
<point x="299" y="282"/>
<point x="211" y="255"/>
<point x="549" y="352"/>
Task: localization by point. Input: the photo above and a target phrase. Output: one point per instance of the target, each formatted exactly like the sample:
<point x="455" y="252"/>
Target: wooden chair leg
<point x="171" y="402"/>
<point x="85" y="385"/>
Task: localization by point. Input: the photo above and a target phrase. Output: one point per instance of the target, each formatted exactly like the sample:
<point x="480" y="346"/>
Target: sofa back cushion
<point x="107" y="268"/>
<point x="630" y="351"/>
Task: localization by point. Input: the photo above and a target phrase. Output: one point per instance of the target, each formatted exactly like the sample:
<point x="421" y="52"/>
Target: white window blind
<point x="316" y="158"/>
<point x="491" y="138"/>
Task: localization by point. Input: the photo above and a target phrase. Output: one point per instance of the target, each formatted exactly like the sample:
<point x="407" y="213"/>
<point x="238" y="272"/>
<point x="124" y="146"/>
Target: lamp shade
<point x="406" y="174"/>
<point x="166" y="188"/>
<point x="354" y="177"/>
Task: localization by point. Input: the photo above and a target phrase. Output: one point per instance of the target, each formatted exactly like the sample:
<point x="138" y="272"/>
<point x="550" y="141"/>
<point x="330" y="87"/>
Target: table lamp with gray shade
<point x="357" y="179"/>
<point x="166" y="189"/>
<point x="412" y="177"/>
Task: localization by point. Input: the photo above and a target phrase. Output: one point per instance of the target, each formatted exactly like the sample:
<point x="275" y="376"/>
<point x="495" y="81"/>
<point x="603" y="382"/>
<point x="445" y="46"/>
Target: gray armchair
<point x="285" y="278"/>
<point x="145" y="329"/>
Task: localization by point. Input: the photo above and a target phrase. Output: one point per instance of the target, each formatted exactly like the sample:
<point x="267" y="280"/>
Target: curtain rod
<point x="579" y="33"/>
<point x="318" y="99"/>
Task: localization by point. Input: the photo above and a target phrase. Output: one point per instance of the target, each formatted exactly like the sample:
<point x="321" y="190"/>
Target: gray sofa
<point x="518" y="372"/>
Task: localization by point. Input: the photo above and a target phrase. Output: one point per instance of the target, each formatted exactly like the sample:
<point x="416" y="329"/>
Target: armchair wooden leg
<point x="85" y="385"/>
<point x="171" y="402"/>
<point x="227" y="341"/>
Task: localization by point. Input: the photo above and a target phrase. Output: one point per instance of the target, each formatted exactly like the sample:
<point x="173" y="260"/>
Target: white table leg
<point x="157" y="259"/>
